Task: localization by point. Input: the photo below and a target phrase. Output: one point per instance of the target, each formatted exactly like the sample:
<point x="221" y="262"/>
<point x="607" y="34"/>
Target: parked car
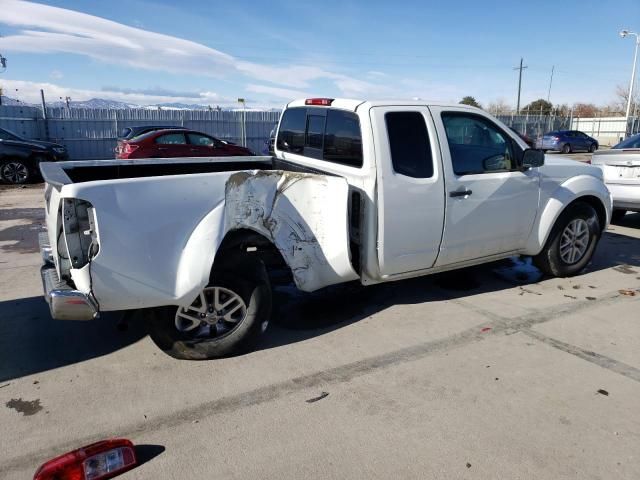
<point x="525" y="138"/>
<point x="177" y="142"/>
<point x="20" y="157"/>
<point x="568" y="141"/>
<point x="130" y="132"/>
<point x="621" y="168"/>
<point x="357" y="190"/>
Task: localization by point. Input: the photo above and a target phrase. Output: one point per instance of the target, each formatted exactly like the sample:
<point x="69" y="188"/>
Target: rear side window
<point x="409" y="144"/>
<point x="330" y="135"/>
<point x="171" y="139"/>
<point x="342" y="139"/>
<point x="292" y="130"/>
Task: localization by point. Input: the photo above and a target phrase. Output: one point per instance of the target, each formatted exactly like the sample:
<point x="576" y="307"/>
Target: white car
<point x="357" y="190"/>
<point x="621" y="168"/>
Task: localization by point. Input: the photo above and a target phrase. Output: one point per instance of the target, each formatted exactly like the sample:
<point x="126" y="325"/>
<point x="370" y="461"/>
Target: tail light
<point x="124" y="149"/>
<point x="323" y="102"/>
<point x="97" y="461"/>
<point x="555" y="139"/>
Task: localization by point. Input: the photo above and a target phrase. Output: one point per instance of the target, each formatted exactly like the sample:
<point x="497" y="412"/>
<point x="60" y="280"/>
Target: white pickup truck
<point x="356" y="190"/>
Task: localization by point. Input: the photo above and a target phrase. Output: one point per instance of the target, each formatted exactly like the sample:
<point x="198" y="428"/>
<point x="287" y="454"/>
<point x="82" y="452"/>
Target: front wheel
<point x="571" y="243"/>
<point x="227" y="318"/>
<point x="15" y="172"/>
<point x="593" y="147"/>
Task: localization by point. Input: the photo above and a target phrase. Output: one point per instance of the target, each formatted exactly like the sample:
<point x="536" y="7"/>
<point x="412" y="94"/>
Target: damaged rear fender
<point x="303" y="215"/>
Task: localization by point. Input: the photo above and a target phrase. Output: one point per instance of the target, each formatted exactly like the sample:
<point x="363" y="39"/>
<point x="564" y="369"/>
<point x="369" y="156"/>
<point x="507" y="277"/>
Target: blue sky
<point x="212" y="52"/>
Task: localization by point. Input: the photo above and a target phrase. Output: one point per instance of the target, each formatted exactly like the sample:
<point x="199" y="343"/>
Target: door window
<point x="477" y="145"/>
<point x="200" y="140"/>
<point x="171" y="139"/>
<point x="409" y="144"/>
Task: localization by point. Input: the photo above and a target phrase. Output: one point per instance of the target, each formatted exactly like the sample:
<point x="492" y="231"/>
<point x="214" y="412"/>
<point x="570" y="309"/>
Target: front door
<point x="410" y="189"/>
<point x="491" y="203"/>
<point x="171" y="145"/>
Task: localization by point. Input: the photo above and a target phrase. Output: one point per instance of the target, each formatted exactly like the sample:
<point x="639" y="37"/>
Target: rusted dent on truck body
<point x="304" y="215"/>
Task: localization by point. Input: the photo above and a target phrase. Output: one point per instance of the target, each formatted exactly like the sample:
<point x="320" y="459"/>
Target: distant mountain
<point x="116" y="105"/>
<point x="96" y="103"/>
<point x="13" y="102"/>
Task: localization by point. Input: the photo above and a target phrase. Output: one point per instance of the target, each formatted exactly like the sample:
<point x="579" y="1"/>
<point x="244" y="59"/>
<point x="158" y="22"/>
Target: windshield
<point x="631" y="142"/>
<point x="8" y="135"/>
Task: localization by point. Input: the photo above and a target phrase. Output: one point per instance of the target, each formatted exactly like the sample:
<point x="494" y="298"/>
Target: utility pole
<point x="519" y="84"/>
<point x="550" y="82"/>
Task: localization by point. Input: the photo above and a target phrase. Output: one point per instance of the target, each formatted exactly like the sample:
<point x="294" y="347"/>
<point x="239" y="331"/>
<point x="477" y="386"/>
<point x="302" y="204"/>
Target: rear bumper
<point x="625" y="196"/>
<point x="65" y="303"/>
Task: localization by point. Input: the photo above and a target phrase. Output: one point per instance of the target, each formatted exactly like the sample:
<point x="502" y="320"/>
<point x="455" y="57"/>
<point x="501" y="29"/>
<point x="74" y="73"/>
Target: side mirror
<point x="532" y="158"/>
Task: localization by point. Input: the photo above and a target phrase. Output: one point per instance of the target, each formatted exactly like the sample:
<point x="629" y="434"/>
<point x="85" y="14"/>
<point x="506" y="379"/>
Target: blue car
<point x="567" y="141"/>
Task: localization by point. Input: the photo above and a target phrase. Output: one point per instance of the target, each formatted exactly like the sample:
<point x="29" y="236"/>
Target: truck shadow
<point x="300" y="316"/>
<point x="31" y="342"/>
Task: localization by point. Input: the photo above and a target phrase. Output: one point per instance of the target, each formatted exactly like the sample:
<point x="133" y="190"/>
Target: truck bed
<point x="63" y="173"/>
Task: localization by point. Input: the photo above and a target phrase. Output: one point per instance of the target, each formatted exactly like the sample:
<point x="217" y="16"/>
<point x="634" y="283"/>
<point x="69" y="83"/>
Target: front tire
<point x="593" y="147"/>
<point x="15" y="172"/>
<point x="204" y="330"/>
<point x="572" y="241"/>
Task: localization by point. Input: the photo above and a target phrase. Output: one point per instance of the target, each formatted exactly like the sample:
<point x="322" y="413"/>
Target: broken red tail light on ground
<point x="98" y="461"/>
<point x="323" y="102"/>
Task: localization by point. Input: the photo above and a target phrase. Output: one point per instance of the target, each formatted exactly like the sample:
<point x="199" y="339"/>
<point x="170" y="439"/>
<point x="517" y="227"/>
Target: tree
<point x="622" y="96"/>
<point x="585" y="110"/>
<point x="469" y="100"/>
<point x="540" y="106"/>
<point x="499" y="107"/>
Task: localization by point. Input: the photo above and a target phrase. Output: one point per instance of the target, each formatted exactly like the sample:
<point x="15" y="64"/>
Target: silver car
<point x="621" y="168"/>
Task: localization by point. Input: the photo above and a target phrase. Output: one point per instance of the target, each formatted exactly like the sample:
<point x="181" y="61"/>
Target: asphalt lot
<point x="486" y="373"/>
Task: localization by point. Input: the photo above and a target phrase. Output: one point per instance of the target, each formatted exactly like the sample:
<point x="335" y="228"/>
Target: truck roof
<point x="353" y="104"/>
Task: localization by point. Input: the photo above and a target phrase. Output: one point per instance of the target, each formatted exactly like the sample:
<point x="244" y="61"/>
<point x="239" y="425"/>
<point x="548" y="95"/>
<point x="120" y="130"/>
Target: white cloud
<point x="56" y="74"/>
<point x="29" y="92"/>
<point x="47" y="29"/>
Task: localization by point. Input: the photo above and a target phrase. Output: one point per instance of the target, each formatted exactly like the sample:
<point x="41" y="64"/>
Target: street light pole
<point x="623" y="34"/>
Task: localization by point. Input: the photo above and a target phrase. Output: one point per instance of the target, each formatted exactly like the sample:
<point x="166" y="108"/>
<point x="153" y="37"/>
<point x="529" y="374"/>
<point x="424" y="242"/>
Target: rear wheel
<point x="571" y="243"/>
<point x="15" y="172"/>
<point x="566" y="148"/>
<point x="227" y="318"/>
<point x="617" y="215"/>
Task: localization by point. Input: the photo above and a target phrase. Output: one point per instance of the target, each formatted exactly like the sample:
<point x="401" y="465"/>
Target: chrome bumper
<point x="65" y="303"/>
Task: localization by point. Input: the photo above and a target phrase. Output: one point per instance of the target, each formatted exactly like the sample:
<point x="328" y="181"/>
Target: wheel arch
<point x="584" y="188"/>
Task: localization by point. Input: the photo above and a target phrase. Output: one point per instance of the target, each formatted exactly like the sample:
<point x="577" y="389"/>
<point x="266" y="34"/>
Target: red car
<point x="171" y="143"/>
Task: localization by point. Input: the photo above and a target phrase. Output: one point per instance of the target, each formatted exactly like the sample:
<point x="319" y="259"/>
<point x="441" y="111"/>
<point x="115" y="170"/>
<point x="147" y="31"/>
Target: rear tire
<point x="246" y="277"/>
<point x="15" y="172"/>
<point x="617" y="215"/>
<point x="566" y="148"/>
<point x="566" y="254"/>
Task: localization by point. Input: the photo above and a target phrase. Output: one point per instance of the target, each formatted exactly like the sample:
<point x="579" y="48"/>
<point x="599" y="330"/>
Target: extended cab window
<point x="292" y="130"/>
<point x="324" y="134"/>
<point x="171" y="139"/>
<point x="409" y="144"/>
<point x="477" y="145"/>
<point x="342" y="139"/>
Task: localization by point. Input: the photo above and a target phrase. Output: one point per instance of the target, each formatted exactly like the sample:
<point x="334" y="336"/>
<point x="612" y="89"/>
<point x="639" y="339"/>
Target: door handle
<point x="460" y="193"/>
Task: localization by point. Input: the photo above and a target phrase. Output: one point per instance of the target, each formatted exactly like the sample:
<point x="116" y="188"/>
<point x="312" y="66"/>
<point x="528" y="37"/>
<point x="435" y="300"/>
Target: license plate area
<point x="629" y="172"/>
